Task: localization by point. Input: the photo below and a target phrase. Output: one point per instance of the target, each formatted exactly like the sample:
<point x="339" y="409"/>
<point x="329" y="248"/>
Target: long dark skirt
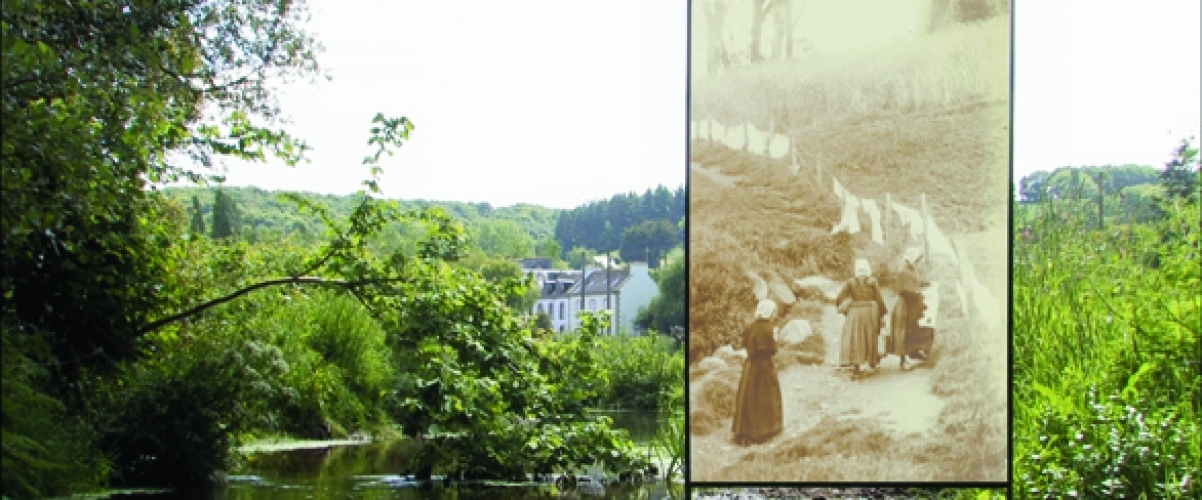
<point x="903" y="322"/>
<point x="859" y="342"/>
<point x="758" y="413"/>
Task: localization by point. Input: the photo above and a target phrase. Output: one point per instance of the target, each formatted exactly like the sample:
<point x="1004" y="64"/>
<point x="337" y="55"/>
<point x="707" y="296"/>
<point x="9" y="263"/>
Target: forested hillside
<point x="639" y="227"/>
<point x="265" y="214"/>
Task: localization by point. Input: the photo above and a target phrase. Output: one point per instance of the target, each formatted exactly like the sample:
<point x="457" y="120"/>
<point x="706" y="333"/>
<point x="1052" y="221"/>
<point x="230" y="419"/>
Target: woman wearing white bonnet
<point x="907" y="310"/>
<point x="912" y="255"/>
<point x="759" y="415"/>
<point x="861" y="303"/>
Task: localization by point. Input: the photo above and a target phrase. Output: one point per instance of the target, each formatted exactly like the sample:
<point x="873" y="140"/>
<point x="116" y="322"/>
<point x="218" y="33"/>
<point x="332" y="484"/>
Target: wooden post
<point x="967" y="279"/>
<point x="746" y="137"/>
<point x="926" y="231"/>
<point x="888" y="216"/>
<point x="793" y="154"/>
<point x="768" y="143"/>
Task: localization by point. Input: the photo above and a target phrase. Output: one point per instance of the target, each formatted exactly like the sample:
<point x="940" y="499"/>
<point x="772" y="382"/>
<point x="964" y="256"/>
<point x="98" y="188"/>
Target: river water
<point x="376" y="471"/>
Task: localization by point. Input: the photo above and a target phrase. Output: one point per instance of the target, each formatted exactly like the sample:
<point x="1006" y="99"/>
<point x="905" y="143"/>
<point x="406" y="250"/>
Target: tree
<point x="198" y="219"/>
<point x="666" y="311"/>
<point x="715" y="18"/>
<point x="96" y="96"/>
<point x="1180" y="174"/>
<point x="549" y="248"/>
<point x="580" y="257"/>
<point x="227" y="218"/>
<point x="542" y="322"/>
<point x="759" y="12"/>
<point x="649" y="241"/>
<point x="502" y="238"/>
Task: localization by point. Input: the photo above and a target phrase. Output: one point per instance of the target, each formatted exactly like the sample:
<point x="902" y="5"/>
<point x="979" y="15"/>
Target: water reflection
<point x="379" y="470"/>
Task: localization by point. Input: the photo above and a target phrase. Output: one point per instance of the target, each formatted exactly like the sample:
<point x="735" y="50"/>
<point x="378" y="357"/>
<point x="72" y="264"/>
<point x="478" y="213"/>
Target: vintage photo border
<point x="1007" y="485"/>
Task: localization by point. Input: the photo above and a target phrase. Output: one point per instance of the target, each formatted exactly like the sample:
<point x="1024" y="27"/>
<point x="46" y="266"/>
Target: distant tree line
<point x="635" y="227"/>
<point x="1127" y="192"/>
<point x="638" y="227"/>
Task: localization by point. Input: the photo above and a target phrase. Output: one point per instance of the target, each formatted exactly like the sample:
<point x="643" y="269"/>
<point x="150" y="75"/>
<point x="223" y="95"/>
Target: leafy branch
<point x="339" y="254"/>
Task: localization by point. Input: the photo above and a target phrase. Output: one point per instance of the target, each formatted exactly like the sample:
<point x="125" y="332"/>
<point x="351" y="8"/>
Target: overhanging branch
<point x="297" y="280"/>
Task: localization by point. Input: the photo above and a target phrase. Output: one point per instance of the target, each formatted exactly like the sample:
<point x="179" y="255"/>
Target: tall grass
<point x="1106" y="356"/>
<point x="643" y="371"/>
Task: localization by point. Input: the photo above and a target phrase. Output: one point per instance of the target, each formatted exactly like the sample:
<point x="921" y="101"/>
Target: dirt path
<point x="901" y="401"/>
<point x="713" y="174"/>
<point x="902" y="404"/>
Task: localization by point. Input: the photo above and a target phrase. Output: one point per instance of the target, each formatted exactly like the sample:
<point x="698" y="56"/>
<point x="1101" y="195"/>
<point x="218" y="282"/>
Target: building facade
<point x="622" y="291"/>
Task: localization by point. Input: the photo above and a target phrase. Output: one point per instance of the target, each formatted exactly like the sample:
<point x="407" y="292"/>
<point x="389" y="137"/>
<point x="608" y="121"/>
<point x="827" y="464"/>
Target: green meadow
<point x="1107" y="347"/>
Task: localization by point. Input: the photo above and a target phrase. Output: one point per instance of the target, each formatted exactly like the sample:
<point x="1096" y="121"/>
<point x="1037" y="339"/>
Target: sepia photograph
<point x="848" y="250"/>
<point x="850" y="493"/>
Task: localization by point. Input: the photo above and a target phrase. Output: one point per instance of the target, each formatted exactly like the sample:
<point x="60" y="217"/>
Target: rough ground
<point x="846" y="428"/>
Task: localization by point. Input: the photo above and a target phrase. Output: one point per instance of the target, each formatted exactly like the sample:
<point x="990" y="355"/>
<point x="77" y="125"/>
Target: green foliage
<point x="501" y="238"/>
<point x="45" y="451"/>
<point x="649" y="241"/>
<point x="1063" y="183"/>
<point x="1105" y="375"/>
<point x="227" y="217"/>
<point x="128" y="333"/>
<point x="1180" y="175"/>
<point x="643" y="372"/>
<point x="550" y="249"/>
<point x="666" y="311"/>
<point x="96" y="96"/>
<point x="580" y="257"/>
<point x="601" y="224"/>
<point x="198" y="221"/>
<point x="341" y="367"/>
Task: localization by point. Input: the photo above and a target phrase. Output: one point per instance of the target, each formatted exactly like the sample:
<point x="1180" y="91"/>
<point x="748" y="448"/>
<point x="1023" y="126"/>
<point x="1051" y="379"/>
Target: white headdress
<point x="912" y="255"/>
<point x="863" y="268"/>
<point x="765" y="309"/>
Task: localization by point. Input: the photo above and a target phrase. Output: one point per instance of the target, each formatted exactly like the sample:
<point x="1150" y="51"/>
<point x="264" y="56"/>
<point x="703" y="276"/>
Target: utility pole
<point x="607" y="289"/>
<point x="583" y="285"/>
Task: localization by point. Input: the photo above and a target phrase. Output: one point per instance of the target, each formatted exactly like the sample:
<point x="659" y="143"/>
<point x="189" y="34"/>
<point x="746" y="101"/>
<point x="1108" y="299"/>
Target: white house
<point x="554" y="299"/>
<point x="622" y="291"/>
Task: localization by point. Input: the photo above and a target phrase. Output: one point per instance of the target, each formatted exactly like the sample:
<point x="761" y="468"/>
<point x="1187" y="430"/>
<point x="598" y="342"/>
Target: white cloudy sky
<point x="553" y="103"/>
<point x="560" y="103"/>
<point x="1119" y="85"/>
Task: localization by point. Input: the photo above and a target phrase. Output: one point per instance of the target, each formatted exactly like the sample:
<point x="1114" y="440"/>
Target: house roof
<point x="559" y="283"/>
<point x="535" y="263"/>
<point x="595" y="283"/>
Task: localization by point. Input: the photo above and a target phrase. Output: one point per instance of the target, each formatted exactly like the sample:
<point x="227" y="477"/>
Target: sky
<point x="562" y="103"/>
<point x="1120" y="85"/>
<point x="543" y="102"/>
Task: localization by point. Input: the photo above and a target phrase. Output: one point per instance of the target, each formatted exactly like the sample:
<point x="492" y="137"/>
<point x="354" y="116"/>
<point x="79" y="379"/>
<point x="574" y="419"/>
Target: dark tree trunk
<point x="938" y="14"/>
<point x="784" y="15"/>
<point x="716" y="14"/>
<point x="760" y="10"/>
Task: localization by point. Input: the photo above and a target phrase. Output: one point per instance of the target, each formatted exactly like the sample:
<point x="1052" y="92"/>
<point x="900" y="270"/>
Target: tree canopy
<point x="135" y="347"/>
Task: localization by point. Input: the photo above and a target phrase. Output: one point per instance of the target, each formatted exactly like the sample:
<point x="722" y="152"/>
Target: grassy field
<point x="928" y="117"/>
<point x="1106" y="356"/>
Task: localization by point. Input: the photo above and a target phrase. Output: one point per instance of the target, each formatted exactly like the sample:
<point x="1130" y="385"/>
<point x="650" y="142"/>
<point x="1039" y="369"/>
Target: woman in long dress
<point x="907" y="308"/>
<point x="758" y="413"/>
<point x="864" y="307"/>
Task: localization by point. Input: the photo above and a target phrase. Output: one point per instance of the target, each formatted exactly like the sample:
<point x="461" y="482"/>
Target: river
<point x="374" y="471"/>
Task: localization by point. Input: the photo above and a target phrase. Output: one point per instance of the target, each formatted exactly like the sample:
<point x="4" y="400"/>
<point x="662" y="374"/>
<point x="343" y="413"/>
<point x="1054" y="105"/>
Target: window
<point x="592" y="304"/>
<point x="561" y="310"/>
